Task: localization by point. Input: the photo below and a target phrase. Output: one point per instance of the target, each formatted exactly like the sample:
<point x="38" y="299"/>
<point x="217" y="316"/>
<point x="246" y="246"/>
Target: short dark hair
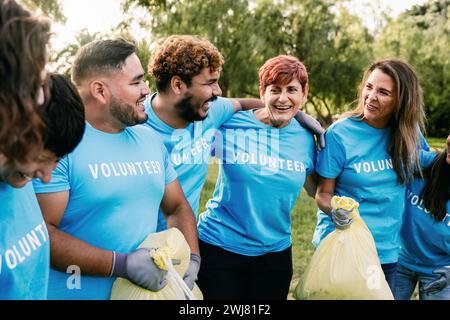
<point x="63" y="115"/>
<point x="100" y="56"/>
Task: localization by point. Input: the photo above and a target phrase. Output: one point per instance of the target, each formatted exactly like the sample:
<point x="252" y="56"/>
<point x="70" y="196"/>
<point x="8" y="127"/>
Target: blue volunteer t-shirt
<point x="261" y="174"/>
<point x="425" y="241"/>
<point x="24" y="245"/>
<point x="189" y="148"/>
<point x="116" y="183"/>
<point x="356" y="156"/>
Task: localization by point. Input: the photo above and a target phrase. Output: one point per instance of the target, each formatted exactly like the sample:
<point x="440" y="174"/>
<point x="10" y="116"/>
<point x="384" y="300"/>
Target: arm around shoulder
<point x="243" y="104"/>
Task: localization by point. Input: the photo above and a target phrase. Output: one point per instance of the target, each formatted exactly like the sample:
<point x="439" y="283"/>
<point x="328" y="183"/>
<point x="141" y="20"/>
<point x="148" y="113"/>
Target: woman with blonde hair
<point x="371" y="153"/>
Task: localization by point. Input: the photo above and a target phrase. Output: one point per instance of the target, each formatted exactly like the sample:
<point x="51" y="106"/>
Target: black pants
<point x="227" y="275"/>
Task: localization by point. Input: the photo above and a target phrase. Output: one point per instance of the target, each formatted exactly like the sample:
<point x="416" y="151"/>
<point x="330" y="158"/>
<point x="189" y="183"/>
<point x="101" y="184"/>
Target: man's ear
<point x="178" y="86"/>
<point x="99" y="91"/>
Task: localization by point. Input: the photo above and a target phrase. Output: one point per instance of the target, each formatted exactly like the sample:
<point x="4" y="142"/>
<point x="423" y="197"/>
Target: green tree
<point x="334" y="45"/>
<point x="51" y="8"/>
<point x="63" y="59"/>
<point x="422" y="37"/>
<point x="227" y="23"/>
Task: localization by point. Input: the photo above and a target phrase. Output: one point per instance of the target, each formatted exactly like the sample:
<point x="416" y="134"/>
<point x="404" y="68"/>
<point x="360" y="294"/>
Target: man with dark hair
<point x="104" y="198"/>
<point x="186" y="111"/>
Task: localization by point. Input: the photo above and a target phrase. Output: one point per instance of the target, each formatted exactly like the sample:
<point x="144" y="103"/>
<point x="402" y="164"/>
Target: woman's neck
<point x="264" y="115"/>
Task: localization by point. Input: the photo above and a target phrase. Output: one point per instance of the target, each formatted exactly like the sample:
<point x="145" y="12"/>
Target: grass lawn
<point x="436" y="143"/>
<point x="303" y="219"/>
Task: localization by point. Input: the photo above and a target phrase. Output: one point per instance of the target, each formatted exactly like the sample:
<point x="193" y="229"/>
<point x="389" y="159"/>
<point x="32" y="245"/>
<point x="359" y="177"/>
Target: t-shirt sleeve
<point x="426" y="158"/>
<point x="423" y="142"/>
<point x="60" y="180"/>
<point x="221" y="110"/>
<point x="331" y="160"/>
<point x="313" y="156"/>
<point x="170" y="173"/>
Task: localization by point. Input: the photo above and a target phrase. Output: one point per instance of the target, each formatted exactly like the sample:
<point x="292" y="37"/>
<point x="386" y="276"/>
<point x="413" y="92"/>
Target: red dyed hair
<point x="282" y="70"/>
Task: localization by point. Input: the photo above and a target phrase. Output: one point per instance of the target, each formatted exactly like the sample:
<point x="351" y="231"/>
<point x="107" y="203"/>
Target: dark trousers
<point x="227" y="275"/>
<point x="390" y="273"/>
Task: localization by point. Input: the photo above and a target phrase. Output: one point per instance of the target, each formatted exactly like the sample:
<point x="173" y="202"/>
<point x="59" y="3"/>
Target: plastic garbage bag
<point x="345" y="266"/>
<point x="171" y="244"/>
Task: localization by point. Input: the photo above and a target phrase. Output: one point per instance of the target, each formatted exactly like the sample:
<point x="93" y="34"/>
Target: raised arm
<point x="246" y="104"/>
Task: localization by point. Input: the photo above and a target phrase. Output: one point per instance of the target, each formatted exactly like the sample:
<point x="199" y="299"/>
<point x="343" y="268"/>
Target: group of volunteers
<point x="90" y="166"/>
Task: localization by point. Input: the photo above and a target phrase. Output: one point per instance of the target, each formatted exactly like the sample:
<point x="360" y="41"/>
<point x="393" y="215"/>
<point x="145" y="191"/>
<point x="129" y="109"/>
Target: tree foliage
<point x="422" y="37"/>
<point x="51" y="8"/>
<point x="333" y="44"/>
<point x="64" y="58"/>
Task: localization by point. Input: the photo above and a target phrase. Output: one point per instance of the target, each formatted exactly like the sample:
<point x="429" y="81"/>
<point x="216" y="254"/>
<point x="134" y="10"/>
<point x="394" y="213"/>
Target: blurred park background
<point x="334" y="42"/>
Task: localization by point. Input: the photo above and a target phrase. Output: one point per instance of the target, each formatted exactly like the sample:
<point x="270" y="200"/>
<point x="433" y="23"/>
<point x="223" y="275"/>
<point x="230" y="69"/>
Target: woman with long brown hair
<point x="370" y="155"/>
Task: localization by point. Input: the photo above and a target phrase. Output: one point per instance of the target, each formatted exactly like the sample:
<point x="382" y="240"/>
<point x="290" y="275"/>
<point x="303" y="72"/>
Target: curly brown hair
<point x="23" y="55"/>
<point x="184" y="56"/>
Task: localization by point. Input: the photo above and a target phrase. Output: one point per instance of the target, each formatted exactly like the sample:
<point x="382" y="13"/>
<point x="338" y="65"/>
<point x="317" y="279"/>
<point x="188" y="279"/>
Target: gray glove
<point x="191" y="274"/>
<point x="434" y="286"/>
<point x="341" y="218"/>
<point x="313" y="126"/>
<point x="139" y="268"/>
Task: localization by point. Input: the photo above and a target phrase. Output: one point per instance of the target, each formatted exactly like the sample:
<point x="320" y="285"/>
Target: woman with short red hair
<point x="266" y="157"/>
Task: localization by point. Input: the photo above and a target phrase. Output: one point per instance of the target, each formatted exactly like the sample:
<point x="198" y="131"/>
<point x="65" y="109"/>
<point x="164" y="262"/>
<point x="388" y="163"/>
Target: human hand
<point x="191" y="274"/>
<point x="313" y="126"/>
<point x="434" y="286"/>
<point x="139" y="267"/>
<point x="341" y="218"/>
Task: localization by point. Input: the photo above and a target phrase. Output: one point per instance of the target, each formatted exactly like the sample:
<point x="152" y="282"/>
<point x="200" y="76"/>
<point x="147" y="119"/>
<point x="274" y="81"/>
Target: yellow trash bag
<point x="345" y="266"/>
<point x="171" y="244"/>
